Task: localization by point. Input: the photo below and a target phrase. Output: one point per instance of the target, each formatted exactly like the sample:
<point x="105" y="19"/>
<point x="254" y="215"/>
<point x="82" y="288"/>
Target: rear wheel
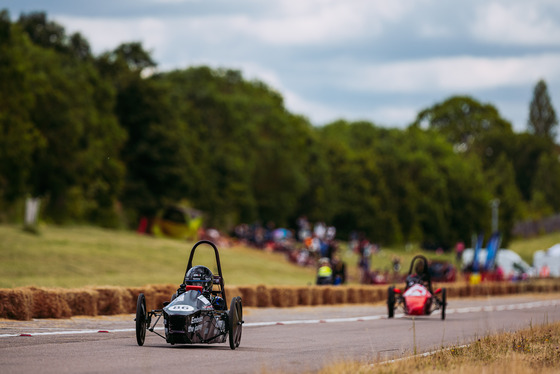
<point x="391" y="302"/>
<point x="443" y="302"/>
<point x="141" y="319"/>
<point x="235" y="320"/>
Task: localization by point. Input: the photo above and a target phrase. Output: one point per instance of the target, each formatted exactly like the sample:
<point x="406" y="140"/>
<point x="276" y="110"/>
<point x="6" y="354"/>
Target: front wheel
<point x="141" y="319"/>
<point x="235" y="320"/>
<point x="443" y="302"/>
<point x="391" y="302"/>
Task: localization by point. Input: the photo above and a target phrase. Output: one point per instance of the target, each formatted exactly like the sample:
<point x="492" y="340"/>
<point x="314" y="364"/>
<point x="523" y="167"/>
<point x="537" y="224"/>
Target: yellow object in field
<point x="177" y="222"/>
<point x="475" y="279"/>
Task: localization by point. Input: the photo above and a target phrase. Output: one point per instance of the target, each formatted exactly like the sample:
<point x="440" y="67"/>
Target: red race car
<point x="417" y="298"/>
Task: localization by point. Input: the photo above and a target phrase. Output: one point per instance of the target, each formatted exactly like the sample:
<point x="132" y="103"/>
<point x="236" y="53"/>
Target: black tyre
<point x="443" y="302"/>
<point x="235" y="320"/>
<point x="141" y="319"/>
<point x="391" y="302"/>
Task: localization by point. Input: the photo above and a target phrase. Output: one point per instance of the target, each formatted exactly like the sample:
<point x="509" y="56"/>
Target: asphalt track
<point x="289" y="340"/>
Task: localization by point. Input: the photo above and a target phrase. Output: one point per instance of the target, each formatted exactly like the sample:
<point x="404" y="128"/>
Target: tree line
<point x="109" y="139"/>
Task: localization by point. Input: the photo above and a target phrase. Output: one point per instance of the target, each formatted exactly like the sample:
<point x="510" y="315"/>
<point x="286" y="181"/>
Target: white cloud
<point x="107" y="34"/>
<point x="393" y="115"/>
<point x="520" y="23"/>
<point x="464" y="73"/>
<point x="319" y="21"/>
<point x="318" y="113"/>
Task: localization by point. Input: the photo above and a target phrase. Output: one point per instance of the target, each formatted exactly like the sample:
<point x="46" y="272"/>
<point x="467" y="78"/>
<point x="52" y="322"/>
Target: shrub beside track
<point x="25" y="303"/>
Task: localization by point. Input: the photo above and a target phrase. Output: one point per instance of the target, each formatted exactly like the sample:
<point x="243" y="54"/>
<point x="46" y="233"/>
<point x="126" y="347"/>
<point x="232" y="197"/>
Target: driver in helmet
<point x="421" y="275"/>
<point x="202" y="276"/>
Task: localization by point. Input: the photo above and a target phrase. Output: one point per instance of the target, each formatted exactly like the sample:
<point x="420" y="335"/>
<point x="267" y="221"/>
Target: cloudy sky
<point x="381" y="61"/>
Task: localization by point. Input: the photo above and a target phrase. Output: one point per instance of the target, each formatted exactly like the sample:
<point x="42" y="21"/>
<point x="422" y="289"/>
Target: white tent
<point x="510" y="262"/>
<point x="548" y="262"/>
<point x="554" y="251"/>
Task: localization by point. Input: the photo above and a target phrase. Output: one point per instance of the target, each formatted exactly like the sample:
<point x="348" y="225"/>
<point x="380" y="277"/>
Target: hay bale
<point x="452" y="291"/>
<point x="303" y="296"/>
<point x="511" y="289"/>
<point x="283" y="296"/>
<point x="249" y="295"/>
<point x="381" y="295"/>
<point x="111" y="300"/>
<point x="496" y="288"/>
<point x="353" y="295"/>
<point x="49" y="303"/>
<point x="16" y="304"/>
<point x="157" y="294"/>
<point x="129" y="299"/>
<point x="231" y="292"/>
<point x="133" y="293"/>
<point x="317" y="297"/>
<point x="263" y="297"/>
<point x="340" y="295"/>
<point x="328" y="295"/>
<point x="290" y="296"/>
<point x="276" y="296"/>
<point x="369" y="294"/>
<point x="82" y="301"/>
<point x="505" y="288"/>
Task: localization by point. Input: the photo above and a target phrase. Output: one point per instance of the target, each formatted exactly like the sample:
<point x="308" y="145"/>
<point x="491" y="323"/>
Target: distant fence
<point x="530" y="228"/>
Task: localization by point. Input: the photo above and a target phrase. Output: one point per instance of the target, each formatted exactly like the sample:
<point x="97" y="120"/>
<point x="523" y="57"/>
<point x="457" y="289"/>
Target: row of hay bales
<point x="25" y="303"/>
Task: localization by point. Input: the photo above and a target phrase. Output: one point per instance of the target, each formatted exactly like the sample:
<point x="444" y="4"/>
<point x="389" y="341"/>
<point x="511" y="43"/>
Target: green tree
<point x="78" y="170"/>
<point x="525" y="154"/>
<point x="355" y="179"/>
<point x="399" y="185"/>
<point x="157" y="155"/>
<point x="542" y="116"/>
<point x="42" y="32"/>
<point x="49" y="34"/>
<point x="546" y="184"/>
<point x="19" y="137"/>
<point x="441" y="193"/>
<point x="502" y="181"/>
<point x="249" y="152"/>
<point x="462" y="120"/>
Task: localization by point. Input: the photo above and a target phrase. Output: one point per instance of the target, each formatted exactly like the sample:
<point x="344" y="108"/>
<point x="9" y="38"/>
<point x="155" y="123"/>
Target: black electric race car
<point x="417" y="298"/>
<point x="197" y="312"/>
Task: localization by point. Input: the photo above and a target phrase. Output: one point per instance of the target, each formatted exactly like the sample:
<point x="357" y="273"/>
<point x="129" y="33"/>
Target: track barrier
<point x="26" y="303"/>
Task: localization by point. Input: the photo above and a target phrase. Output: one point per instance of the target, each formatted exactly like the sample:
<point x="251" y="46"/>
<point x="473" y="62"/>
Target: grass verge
<point x="528" y="351"/>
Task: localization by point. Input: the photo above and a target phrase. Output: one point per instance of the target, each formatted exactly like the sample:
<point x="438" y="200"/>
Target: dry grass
<point x="533" y="350"/>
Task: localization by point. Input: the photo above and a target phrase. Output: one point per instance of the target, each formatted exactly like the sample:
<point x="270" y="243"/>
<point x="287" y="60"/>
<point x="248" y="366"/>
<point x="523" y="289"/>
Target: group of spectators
<point x="312" y="245"/>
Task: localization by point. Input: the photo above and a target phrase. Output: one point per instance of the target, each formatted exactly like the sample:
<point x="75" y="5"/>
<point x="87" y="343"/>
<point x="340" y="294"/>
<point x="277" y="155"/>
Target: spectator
<point x="303" y="228"/>
<point x="459" y="248"/>
<point x="363" y="249"/>
<point x="324" y="272"/>
<point x="320" y="230"/>
<point x="339" y="270"/>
